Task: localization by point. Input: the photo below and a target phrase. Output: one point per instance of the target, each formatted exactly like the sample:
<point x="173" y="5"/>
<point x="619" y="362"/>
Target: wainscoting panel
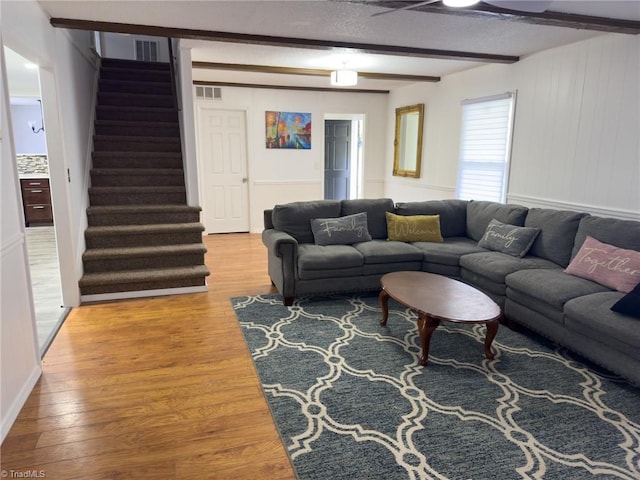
<point x="533" y="202"/>
<point x="576" y="129"/>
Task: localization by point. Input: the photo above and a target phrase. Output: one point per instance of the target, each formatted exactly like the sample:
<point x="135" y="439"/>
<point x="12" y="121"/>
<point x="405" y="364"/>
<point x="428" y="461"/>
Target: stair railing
<point x="172" y="68"/>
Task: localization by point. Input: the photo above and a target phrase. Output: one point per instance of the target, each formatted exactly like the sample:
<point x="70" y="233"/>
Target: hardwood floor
<point x="45" y="279"/>
<point x="155" y="388"/>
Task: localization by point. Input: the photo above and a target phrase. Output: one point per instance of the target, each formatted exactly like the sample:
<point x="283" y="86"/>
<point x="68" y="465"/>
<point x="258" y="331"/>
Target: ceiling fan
<point x="533" y="6"/>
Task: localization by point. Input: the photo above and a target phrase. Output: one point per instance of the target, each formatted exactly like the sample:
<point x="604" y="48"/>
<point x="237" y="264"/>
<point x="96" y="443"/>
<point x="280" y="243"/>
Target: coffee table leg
<point x="492" y="330"/>
<point x="426" y="327"/>
<point x="384" y="304"/>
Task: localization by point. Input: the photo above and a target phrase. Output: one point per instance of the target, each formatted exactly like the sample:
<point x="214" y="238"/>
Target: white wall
<point x="115" y="45"/>
<point x="67" y="80"/>
<point x="576" y="129"/>
<point x="281" y="175"/>
<point x="19" y="353"/>
<point x="67" y="75"/>
<point x="25" y="140"/>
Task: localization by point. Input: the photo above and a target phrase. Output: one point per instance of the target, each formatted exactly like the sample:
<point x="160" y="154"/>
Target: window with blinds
<point x="485" y="147"/>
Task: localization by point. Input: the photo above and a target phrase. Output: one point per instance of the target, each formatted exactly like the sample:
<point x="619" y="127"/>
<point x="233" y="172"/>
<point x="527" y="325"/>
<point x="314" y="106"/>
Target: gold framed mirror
<point x="407" y="145"/>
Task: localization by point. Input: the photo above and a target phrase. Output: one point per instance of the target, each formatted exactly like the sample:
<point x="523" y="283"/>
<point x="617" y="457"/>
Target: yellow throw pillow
<point x="413" y="228"/>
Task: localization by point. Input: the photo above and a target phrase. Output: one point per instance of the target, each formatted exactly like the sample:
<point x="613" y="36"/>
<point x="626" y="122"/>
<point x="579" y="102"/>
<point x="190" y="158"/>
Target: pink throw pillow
<point x="607" y="265"/>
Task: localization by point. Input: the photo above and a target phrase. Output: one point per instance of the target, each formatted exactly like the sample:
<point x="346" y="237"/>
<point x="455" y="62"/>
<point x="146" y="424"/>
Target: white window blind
<point x="485" y="148"/>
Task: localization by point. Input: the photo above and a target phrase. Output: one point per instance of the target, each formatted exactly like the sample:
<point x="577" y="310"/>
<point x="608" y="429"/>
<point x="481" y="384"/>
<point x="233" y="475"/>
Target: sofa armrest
<point x="267" y="218"/>
<point x="282" y="260"/>
<point x="281" y="243"/>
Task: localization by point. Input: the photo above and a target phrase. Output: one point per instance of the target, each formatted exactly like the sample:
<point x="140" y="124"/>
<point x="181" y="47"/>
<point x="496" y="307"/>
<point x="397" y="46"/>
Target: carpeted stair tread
<point x="146" y="139"/>
<point x="135" y="64"/>
<point x="127" y="143"/>
<point x="105" y="209"/>
<point x="140" y="276"/>
<point x="156" y="251"/>
<point x="172" y="155"/>
<point x="124" y="230"/>
<point x="136" y="113"/>
<point x="133" y="86"/>
<point x="141" y="99"/>
<point x="130" y="123"/>
<point x="136" y="214"/>
<point x="133" y="159"/>
<point x="125" y="190"/>
<point x="138" y="171"/>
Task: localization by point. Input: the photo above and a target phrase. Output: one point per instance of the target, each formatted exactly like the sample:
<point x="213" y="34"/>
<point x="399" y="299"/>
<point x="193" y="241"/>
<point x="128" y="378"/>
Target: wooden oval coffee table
<point x="437" y="298"/>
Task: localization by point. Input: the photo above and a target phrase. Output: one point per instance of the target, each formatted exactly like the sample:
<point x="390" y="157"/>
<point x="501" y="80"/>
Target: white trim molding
<point x="18" y="402"/>
<point x="103" y="297"/>
<point x="560" y="205"/>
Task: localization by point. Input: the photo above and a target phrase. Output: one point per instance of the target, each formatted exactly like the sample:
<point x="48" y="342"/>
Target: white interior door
<point x="223" y="170"/>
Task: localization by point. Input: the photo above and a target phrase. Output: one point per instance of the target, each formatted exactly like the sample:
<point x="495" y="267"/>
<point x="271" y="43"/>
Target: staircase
<point x="142" y="235"/>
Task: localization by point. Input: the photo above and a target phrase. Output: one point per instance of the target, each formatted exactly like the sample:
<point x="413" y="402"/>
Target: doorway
<point x="222" y="165"/>
<point x="34" y="183"/>
<point x="343" y="156"/>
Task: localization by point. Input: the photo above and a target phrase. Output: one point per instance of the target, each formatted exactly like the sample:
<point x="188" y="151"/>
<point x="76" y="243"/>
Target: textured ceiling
<point x="339" y="21"/>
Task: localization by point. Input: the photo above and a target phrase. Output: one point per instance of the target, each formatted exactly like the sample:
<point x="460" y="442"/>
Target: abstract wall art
<point x="288" y="130"/>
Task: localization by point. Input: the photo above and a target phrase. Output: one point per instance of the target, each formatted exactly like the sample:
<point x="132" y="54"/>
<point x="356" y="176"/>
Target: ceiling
<point x="326" y="27"/>
<point x="24" y="84"/>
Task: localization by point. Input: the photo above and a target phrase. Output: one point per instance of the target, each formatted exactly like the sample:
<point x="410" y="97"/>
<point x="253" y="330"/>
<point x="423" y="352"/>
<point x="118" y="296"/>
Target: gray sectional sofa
<point x="533" y="289"/>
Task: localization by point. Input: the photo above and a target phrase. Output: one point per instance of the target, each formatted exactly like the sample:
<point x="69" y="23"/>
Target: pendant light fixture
<point x="344" y="77"/>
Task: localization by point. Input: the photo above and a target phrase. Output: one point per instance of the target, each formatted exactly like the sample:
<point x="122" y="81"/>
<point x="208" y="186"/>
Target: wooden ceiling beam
<point x="288" y="87"/>
<point x="288" y="42"/>
<point x="548" y="18"/>
<point x="309" y="72"/>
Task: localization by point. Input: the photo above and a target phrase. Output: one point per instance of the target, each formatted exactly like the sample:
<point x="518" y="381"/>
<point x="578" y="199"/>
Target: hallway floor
<point x="45" y="278"/>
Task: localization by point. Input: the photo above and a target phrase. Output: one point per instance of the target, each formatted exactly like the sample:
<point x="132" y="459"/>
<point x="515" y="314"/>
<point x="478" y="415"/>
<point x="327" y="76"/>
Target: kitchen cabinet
<point x="36" y="198"/>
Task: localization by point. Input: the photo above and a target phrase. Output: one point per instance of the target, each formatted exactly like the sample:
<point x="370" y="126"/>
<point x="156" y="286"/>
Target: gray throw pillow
<point x="509" y="239"/>
<point x="341" y="230"/>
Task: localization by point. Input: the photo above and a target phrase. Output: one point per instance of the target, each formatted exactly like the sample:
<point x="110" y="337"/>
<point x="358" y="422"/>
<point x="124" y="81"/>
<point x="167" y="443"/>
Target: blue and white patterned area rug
<point x="351" y="402"/>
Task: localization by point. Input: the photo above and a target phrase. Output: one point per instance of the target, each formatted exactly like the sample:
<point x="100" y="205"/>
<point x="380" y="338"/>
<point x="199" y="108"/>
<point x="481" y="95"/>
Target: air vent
<point x="208" y="93"/>
<point x="147" y="50"/>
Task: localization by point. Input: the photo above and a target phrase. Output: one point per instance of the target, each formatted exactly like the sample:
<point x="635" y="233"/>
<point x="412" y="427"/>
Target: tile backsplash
<point x="33" y="165"/>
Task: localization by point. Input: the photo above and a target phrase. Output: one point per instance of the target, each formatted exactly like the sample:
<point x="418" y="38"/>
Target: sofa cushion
<point x="606" y="264"/>
<point x="496" y="265"/>
<point x="509" y="239"/>
<point x="449" y="251"/>
<point x="321" y="257"/>
<point x="629" y="304"/>
<point x="375" y="209"/>
<point x="383" y="251"/>
<point x="591" y="316"/>
<point x="382" y="268"/>
<point x="551" y="286"/>
<point x="453" y="214"/>
<point x="557" y="233"/>
<point x="341" y="230"/>
<point x="621" y="233"/>
<point x="480" y="213"/>
<point x="295" y="218"/>
<point x="413" y="228"/>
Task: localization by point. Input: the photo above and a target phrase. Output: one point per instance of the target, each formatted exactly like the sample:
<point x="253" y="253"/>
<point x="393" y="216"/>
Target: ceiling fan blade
<point x="406" y="7"/>
<point x="534" y="6"/>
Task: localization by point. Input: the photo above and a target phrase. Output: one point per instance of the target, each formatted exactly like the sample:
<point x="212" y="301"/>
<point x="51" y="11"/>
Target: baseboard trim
<point x="105" y="297"/>
<point x="19" y="401"/>
<point x="560" y="205"/>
